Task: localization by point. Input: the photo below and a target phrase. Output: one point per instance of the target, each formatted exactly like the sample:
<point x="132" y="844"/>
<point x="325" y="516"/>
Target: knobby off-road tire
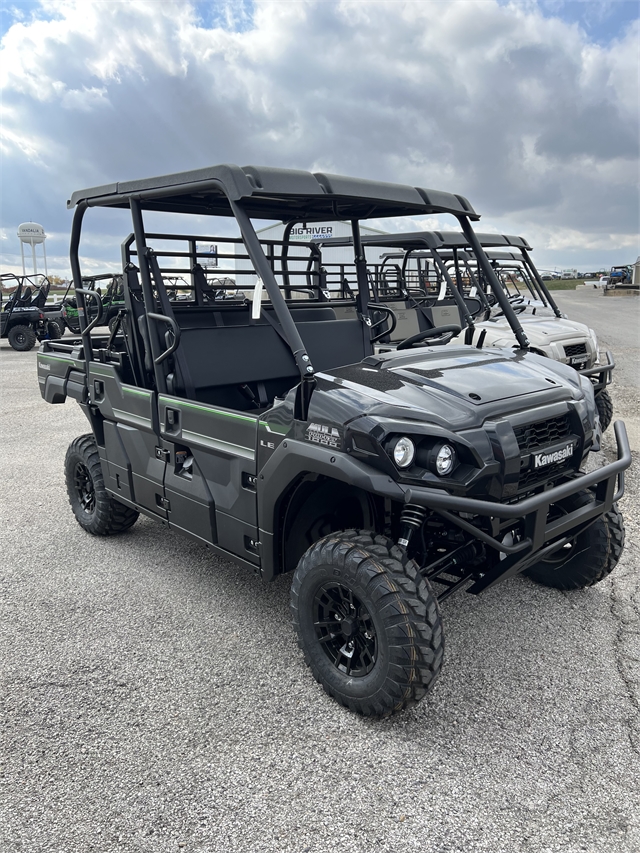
<point x="604" y="404"/>
<point x="589" y="558"/>
<point x="94" y="509"/>
<point x="54" y="330"/>
<point x="22" y="338"/>
<point x="367" y="622"/>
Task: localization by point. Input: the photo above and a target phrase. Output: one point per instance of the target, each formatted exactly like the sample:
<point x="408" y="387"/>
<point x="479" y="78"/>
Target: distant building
<point x="332" y="256"/>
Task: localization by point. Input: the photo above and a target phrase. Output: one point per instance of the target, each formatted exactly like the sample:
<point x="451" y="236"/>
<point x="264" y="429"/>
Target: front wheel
<point x="587" y="559"/>
<point x="367" y="622"/>
<point x="604" y="404"/>
<point x="22" y="338"/>
<point x="95" y="510"/>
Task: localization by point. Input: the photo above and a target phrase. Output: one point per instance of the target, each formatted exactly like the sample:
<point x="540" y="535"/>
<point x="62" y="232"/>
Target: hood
<point x="456" y="386"/>
<point x="539" y="329"/>
<point x="480" y="376"/>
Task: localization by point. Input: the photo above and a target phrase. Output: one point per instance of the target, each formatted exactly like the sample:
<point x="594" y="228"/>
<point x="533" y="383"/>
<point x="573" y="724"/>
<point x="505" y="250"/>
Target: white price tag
<point x="256" y="305"/>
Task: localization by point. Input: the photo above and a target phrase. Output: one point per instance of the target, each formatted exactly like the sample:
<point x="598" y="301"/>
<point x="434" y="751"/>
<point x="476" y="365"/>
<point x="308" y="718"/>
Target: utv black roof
<point x="453" y="239"/>
<point x="268" y="193"/>
<point x="430" y="239"/>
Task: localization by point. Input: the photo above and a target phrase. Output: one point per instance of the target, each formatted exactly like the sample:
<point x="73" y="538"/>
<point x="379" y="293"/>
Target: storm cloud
<point x="517" y="110"/>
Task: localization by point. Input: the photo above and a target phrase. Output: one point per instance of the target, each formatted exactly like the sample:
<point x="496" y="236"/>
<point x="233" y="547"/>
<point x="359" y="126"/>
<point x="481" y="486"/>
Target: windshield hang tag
<point x="257" y="300"/>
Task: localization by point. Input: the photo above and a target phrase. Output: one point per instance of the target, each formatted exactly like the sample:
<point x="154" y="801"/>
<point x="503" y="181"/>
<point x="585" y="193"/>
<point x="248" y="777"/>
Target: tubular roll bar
<point x="263" y="268"/>
<point x="540" y="282"/>
<point x="455" y="292"/>
<point x="147" y="291"/>
<point x="76" y="274"/>
<point x="95" y="295"/>
<point x="494" y="281"/>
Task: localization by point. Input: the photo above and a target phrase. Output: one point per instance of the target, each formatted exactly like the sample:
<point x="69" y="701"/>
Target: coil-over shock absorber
<point x="412" y="518"/>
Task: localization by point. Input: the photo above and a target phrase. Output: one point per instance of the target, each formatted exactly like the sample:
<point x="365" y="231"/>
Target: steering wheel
<point x="517" y="309"/>
<point x="443" y="334"/>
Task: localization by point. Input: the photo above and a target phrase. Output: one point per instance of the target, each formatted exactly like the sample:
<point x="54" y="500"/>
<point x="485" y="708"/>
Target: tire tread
<point x="111" y="516"/>
<point x="415" y="634"/>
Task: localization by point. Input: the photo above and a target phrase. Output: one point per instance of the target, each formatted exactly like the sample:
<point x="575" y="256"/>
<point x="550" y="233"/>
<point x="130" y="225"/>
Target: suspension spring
<point x="412" y="518"/>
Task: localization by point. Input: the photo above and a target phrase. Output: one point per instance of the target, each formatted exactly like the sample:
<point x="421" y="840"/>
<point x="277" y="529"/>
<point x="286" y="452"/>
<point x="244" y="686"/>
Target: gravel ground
<point x="154" y="698"/>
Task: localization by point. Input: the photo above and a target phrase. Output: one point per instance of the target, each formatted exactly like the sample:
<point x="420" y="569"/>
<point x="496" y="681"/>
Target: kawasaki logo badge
<point x="322" y="434"/>
<point x="542" y="459"/>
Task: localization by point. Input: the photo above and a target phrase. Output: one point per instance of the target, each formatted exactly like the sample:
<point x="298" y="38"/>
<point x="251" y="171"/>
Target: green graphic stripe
<point x="136" y="392"/>
<point x="279" y="430"/>
<point x="57" y="358"/>
<point x="102" y="371"/>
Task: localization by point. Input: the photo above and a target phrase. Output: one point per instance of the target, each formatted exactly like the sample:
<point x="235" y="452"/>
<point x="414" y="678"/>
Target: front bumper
<point x="540" y="537"/>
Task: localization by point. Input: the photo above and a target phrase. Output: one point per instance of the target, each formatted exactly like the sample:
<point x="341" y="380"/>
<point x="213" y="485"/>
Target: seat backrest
<point x="407" y="320"/>
<point x="222" y="353"/>
<point x="40" y="298"/>
<point x="25" y="298"/>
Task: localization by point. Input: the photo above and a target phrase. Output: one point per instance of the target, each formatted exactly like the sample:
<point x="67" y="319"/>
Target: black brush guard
<point x="601" y="372"/>
<point x="540" y="536"/>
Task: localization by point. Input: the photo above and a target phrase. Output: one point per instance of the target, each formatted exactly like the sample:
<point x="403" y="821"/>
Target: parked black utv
<point x="269" y="430"/>
<point x="22" y="317"/>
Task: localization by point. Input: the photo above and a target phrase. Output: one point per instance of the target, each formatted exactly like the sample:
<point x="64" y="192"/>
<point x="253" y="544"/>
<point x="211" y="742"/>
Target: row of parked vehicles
<point x="386" y="431"/>
<point x="28" y="315"/>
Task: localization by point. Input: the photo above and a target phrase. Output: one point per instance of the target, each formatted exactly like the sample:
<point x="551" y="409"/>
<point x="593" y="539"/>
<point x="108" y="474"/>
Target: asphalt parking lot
<point x="154" y="698"/>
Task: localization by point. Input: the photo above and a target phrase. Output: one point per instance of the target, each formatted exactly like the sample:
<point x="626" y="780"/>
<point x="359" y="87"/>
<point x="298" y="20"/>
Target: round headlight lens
<point x="403" y="452"/>
<point x="445" y="460"/>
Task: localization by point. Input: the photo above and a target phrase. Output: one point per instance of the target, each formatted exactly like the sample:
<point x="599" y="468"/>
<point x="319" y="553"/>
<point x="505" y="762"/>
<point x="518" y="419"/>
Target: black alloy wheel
<point x="94" y="508"/>
<point x="367" y="622"/>
<point x="345" y="629"/>
<point x="84" y="488"/>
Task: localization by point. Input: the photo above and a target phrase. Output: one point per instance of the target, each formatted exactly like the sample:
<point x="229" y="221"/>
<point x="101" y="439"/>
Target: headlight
<point x="442" y="459"/>
<point x="403" y="452"/>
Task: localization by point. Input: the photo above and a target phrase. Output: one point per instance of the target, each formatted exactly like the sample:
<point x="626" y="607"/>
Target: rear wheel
<point x="588" y="558"/>
<point x="22" y="338"/>
<point x="95" y="510"/>
<point x="367" y="622"/>
<point x="54" y="330"/>
<point x="604" y="404"/>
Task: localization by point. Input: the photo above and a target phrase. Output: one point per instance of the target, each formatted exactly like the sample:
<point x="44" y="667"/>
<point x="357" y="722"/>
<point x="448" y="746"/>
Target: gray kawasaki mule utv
<point x="271" y="432"/>
<point x="435" y="278"/>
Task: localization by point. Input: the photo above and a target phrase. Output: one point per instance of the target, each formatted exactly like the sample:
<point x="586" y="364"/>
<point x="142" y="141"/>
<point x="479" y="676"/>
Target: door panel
<point x="223" y="446"/>
<point x="190" y="503"/>
<point x="132" y="410"/>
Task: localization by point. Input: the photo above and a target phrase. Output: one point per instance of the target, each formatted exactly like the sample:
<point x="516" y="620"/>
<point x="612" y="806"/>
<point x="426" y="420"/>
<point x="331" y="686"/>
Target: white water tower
<point x="32" y="234"/>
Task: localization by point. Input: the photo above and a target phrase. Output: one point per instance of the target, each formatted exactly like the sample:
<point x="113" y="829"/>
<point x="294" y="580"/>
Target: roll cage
<point x="436" y="246"/>
<point x="245" y="193"/>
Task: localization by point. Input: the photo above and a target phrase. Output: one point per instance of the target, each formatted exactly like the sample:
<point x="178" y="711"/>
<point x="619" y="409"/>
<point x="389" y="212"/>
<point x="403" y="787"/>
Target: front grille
<point x="542" y="433"/>
<point x="575" y="349"/>
<point x="534" y="477"/>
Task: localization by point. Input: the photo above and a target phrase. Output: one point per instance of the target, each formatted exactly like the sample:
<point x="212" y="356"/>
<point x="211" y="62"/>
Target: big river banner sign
<point x="312" y="232"/>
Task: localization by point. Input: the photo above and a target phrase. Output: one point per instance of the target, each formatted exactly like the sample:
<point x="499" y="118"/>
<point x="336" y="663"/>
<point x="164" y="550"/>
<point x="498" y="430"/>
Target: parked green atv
<point x="112" y="302"/>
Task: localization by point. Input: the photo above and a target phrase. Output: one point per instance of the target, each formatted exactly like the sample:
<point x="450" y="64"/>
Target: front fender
<point x="293" y="459"/>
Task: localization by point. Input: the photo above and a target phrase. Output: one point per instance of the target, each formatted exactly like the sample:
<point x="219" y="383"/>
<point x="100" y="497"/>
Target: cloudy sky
<point x="528" y="108"/>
